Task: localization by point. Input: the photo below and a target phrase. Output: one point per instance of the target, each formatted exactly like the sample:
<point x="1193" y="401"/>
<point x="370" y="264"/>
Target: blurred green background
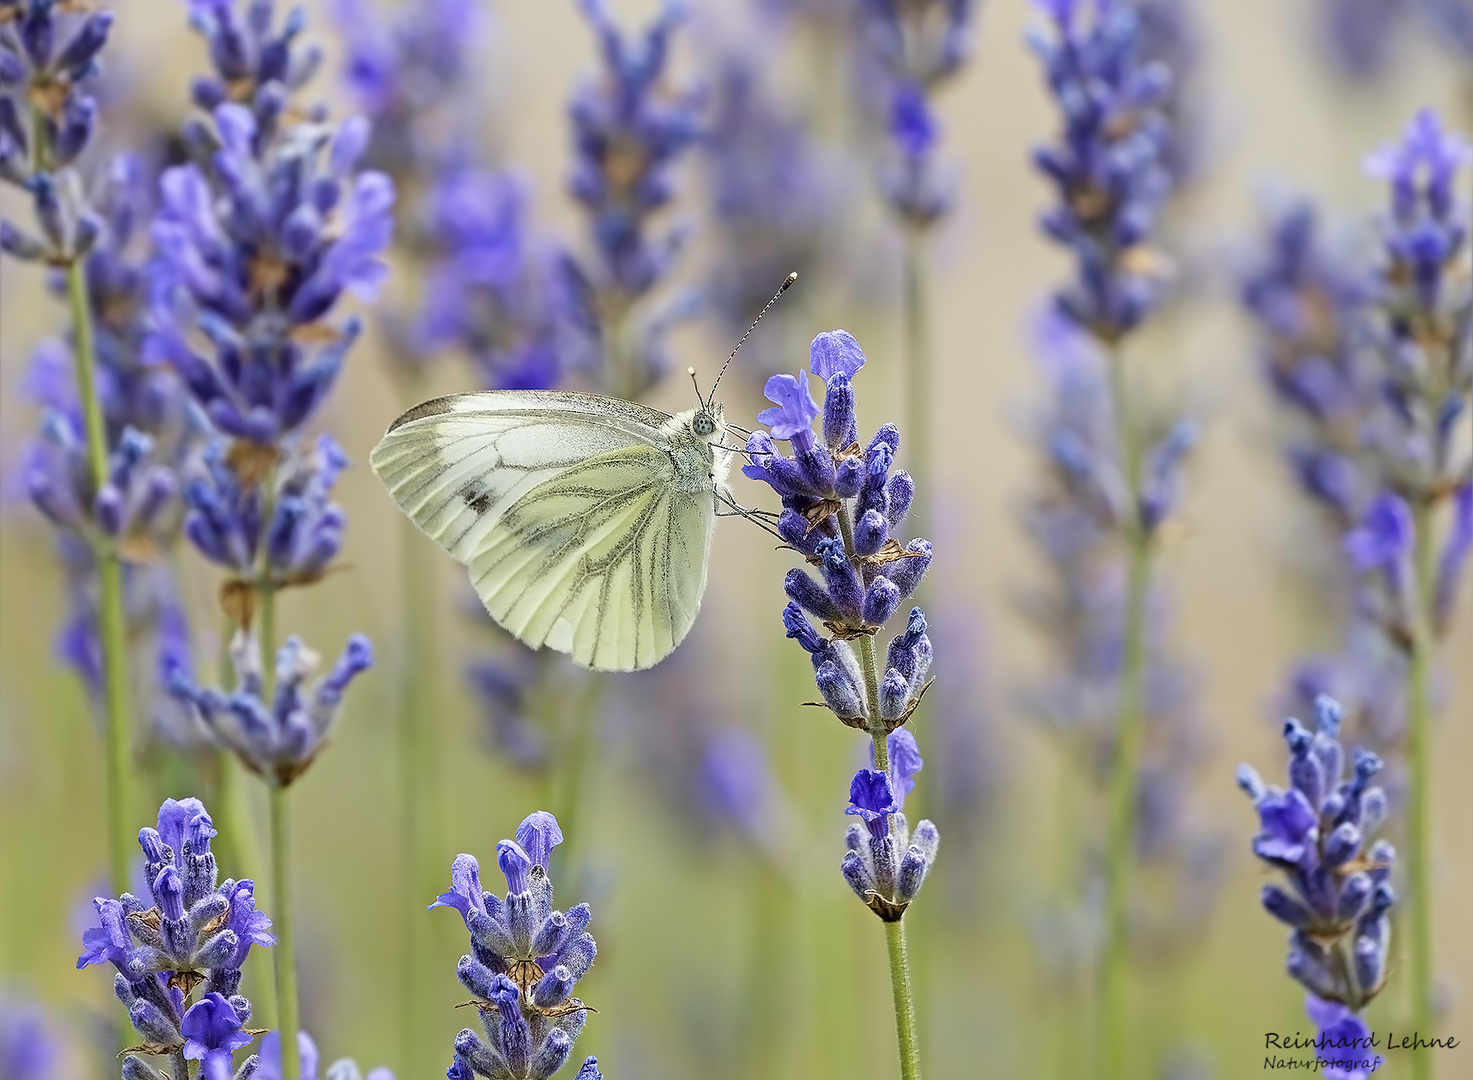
<point x="720" y="957"/>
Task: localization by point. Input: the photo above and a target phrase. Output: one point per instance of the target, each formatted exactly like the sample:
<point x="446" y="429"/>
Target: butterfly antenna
<point x="692" y="373"/>
<point x="784" y="287"/>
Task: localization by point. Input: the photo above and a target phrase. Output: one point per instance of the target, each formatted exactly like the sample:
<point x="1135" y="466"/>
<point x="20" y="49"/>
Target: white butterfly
<point x="585" y="521"/>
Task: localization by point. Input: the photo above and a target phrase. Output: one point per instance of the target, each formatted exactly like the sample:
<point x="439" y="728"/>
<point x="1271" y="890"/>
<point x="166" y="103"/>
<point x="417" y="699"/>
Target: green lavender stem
<point x="1419" y="708"/>
<point x="904" y="995"/>
<point x="918" y="373"/>
<point x="1130" y="721"/>
<point x="285" y="949"/>
<point x="112" y="630"/>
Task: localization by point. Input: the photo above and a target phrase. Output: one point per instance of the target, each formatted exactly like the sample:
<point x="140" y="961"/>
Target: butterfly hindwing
<point x="562" y="507"/>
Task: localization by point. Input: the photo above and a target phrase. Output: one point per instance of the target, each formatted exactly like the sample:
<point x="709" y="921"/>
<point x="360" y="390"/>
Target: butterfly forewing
<point x="562" y="506"/>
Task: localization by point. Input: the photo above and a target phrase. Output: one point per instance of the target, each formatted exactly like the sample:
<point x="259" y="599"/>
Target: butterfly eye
<point x="703" y="425"/>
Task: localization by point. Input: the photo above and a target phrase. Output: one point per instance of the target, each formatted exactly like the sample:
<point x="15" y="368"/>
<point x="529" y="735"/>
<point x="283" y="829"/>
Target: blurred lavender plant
<point x="29" y="1046"/>
<point x="1075" y="522"/>
<point x="629" y="131"/>
<point x="776" y="196"/>
<point x="1423" y="319"/>
<point x="1111" y="168"/>
<point x="197" y="934"/>
<point x="1316" y="832"/>
<point x="524" y="962"/>
<point x="307" y="1053"/>
<point x="48" y="53"/>
<point x="259" y="236"/>
<point x="840" y="507"/>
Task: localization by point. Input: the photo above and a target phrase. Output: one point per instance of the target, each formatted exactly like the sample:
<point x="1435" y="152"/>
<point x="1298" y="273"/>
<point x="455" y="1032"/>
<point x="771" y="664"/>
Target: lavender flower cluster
<point x="524" y="962"/>
<point x="1340" y="896"/>
<point x="196" y="934"/>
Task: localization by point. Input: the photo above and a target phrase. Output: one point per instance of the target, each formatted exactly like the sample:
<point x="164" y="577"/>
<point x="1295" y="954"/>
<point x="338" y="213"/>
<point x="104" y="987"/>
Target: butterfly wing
<point x="562" y="507"/>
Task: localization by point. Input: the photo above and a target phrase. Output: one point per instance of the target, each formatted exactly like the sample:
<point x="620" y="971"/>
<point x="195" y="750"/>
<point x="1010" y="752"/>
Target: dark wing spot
<point x="478" y="501"/>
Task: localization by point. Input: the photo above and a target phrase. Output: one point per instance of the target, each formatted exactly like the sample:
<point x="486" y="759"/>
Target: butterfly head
<point x="704" y="422"/>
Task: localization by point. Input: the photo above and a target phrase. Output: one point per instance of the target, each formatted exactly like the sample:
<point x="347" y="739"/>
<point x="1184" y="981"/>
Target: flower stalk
<point x="286" y="947"/>
<point x="1419" y="709"/>
<point x="112" y="629"/>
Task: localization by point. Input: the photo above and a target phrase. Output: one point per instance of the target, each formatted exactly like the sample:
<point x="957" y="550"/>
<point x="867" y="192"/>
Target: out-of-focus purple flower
<point x="226" y="520"/>
<point x="530" y="1019"/>
<point x="255" y="252"/>
<point x="1344" y="1039"/>
<point x="29" y="1046"/>
<point x="281" y="738"/>
<point x="1317" y="832"/>
<point x="408" y="74"/>
<point x="1360" y="36"/>
<point x="1454" y="558"/>
<point x="777" y="195"/>
<point x="630" y="128"/>
<point x="253" y="60"/>
<point x="1451" y="22"/>
<point x="1109" y="162"/>
<point x="1308" y="299"/>
<point x="925" y="41"/>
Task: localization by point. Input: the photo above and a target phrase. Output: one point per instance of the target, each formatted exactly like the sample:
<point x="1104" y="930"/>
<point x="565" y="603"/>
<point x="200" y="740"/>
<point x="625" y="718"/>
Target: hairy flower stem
<point x="285" y="949"/>
<point x="112" y="631"/>
<point x="1419" y="707"/>
<point x="1130" y="722"/>
<point x="418" y="781"/>
<point x="918" y="373"/>
<point x="904" y="995"/>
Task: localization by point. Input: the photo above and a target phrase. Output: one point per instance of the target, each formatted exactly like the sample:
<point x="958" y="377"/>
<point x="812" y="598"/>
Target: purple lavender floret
<point x="1109" y="162"/>
<point x="196" y="934"/>
<point x="1317" y="832"/>
<point x="524" y="962"/>
<point x="841" y="507"/>
<point x="254" y="60"/>
<point x="281" y="738"/>
<point x="885" y="863"/>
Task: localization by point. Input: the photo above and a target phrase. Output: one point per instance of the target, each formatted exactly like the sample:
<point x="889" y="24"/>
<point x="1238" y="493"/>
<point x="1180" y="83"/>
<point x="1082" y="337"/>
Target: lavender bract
<point x="197" y="933"/>
<point x="524" y="962"/>
<point x="1318" y="833"/>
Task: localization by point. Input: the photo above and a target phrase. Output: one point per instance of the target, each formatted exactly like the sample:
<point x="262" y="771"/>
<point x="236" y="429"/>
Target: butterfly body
<point x="585" y="521"/>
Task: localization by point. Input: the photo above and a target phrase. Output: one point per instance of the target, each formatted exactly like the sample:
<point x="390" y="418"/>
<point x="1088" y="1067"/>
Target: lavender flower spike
<point x="192" y="932"/>
<point x="1317" y="832"/>
<point x="279" y="740"/>
<point x="524" y="962"/>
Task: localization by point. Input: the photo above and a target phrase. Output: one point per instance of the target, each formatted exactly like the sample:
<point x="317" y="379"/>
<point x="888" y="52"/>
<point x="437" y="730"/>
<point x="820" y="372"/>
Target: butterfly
<point x="585" y="521"/>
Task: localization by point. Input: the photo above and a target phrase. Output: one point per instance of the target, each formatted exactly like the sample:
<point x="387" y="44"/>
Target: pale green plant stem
<point x="919" y="376"/>
<point x="283" y="926"/>
<point x="1419" y="760"/>
<point x="900" y="983"/>
<point x="112" y="630"/>
<point x="1119" y="852"/>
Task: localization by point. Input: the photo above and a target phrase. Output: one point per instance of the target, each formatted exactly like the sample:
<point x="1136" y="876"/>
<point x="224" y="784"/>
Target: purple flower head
<point x="270" y="1067"/>
<point x="256" y="251"/>
<point x="1109" y="164"/>
<point x="1317" y="833"/>
<point x="922" y="42"/>
<point x="108" y="942"/>
<point x="251" y="927"/>
<point x="212" y="1034"/>
<point x="279" y="740"/>
<point x="530" y="1031"/>
<point x="261" y="62"/>
<point x="1422" y="168"/>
